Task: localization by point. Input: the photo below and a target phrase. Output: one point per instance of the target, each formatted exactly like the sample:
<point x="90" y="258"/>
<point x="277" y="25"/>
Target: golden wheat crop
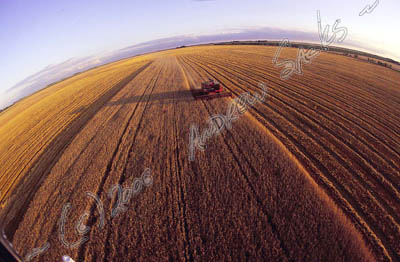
<point x="310" y="174"/>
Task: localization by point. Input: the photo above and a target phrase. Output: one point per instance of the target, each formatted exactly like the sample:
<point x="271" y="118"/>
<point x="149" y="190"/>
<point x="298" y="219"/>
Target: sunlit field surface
<point x="312" y="173"/>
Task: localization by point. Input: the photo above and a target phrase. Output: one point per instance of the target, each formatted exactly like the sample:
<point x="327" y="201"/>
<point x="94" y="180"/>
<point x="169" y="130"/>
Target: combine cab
<point x="210" y="89"/>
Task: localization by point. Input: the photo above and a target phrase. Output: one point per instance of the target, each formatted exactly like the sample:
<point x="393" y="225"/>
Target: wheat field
<point x="310" y="174"/>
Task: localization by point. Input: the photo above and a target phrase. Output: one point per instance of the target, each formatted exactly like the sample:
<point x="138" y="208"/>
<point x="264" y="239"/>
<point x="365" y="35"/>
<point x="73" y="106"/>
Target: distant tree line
<point x="379" y="63"/>
<point x="345" y="51"/>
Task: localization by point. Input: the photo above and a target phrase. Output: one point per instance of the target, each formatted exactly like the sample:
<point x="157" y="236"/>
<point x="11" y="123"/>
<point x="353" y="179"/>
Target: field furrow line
<point x="180" y="189"/>
<point x="179" y="170"/>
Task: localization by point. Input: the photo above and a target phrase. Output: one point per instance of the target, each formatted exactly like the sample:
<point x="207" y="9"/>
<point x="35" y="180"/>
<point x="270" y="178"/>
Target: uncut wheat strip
<point x="52" y="116"/>
<point x="33" y="178"/>
<point x="114" y="160"/>
<point x="38" y="139"/>
<point x="61" y="90"/>
<point x="70" y="162"/>
<point x="27" y="102"/>
<point x="51" y="112"/>
<point x="27" y="155"/>
<point x="149" y="217"/>
<point x="45" y="190"/>
<point x="50" y="152"/>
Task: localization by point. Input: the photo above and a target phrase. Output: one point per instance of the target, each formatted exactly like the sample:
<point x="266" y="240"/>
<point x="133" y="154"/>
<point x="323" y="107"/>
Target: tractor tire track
<point x="180" y="184"/>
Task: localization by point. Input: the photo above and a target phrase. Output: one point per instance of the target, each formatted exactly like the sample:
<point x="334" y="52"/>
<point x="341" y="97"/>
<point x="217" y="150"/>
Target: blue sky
<point x="38" y="33"/>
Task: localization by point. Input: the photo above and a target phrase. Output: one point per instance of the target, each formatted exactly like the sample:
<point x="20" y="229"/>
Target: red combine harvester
<point x="209" y="90"/>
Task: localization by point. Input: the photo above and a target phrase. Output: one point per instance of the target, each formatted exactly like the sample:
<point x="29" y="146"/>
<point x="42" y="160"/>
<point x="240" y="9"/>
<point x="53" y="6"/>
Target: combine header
<point x="209" y="90"/>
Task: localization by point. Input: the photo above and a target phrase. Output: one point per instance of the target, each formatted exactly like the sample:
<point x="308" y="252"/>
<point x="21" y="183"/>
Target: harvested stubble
<point x="311" y="174"/>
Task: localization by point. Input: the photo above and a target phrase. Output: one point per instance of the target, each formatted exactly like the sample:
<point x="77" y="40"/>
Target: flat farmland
<point x="309" y="174"/>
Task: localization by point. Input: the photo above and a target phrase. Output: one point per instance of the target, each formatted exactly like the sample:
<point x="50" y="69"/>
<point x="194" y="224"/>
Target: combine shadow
<point x="163" y="98"/>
